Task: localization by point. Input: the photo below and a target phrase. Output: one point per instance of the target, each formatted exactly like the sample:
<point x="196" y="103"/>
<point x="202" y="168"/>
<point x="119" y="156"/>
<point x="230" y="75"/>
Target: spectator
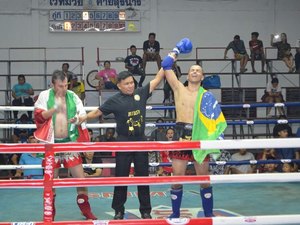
<point x="278" y="126"/>
<point x="3" y="161"/>
<point x="288" y="168"/>
<point x="266" y="154"/>
<point x="240" y="53"/>
<point x="159" y="134"/>
<point x="284" y="51"/>
<point x="164" y="156"/>
<point x="108" y="136"/>
<point x="13" y="159"/>
<point x="242" y="155"/>
<point x="91" y="133"/>
<point x="89" y="158"/>
<point x="21" y="93"/>
<point x="134" y="64"/>
<point x="31" y="159"/>
<point x="298" y="132"/>
<point x="107" y="77"/>
<point x="108" y="157"/>
<point x="65" y="69"/>
<point x="220" y="169"/>
<point x="153" y="157"/>
<point x="273" y="95"/>
<point x="77" y="87"/>
<point x="297" y="60"/>
<point x="151" y="49"/>
<point x="257" y="51"/>
<point x="284" y="131"/>
<point x="270" y="168"/>
<point x="21" y="135"/>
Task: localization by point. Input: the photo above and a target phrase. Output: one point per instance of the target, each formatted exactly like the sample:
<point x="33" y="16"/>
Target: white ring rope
<point x="255" y="178"/>
<point x="153" y="125"/>
<point x="148" y="107"/>
<point x="157" y="146"/>
<point x="89" y="125"/>
<point x="156" y="164"/>
<point x="252" y="143"/>
<point x="257" y="220"/>
<point x="239" y="220"/>
<point x="31" y="108"/>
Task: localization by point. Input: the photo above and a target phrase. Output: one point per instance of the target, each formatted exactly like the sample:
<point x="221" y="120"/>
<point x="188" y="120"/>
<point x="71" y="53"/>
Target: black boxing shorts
<point x="184" y="131"/>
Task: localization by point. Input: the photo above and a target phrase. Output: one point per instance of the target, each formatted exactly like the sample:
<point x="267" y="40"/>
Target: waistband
<point x="62" y="140"/>
<point x="187" y="126"/>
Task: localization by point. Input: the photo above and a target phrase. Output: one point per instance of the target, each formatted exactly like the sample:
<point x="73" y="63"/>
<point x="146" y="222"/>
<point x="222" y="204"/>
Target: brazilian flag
<point x="209" y="122"/>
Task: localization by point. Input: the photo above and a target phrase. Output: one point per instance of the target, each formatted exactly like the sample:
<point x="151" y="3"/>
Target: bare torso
<point x="61" y="122"/>
<point x="185" y="100"/>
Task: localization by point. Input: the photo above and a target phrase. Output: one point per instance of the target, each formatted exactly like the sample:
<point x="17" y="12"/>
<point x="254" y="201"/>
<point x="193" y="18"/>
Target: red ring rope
<point x="48" y="183"/>
<point x="103" y="146"/>
<point x="192" y="221"/>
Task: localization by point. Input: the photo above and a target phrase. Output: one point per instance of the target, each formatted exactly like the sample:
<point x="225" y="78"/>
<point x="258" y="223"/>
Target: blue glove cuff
<point x="176" y="51"/>
<point x="167" y="63"/>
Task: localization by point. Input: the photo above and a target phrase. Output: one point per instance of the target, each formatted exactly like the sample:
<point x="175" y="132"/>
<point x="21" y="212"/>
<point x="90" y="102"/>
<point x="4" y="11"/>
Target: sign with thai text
<point x="94" y="20"/>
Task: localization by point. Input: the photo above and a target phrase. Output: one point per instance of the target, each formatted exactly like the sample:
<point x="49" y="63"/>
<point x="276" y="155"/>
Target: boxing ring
<point x="43" y="187"/>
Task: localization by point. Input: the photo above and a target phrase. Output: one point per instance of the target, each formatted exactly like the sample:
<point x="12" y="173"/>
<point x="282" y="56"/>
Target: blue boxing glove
<point x="167" y="62"/>
<point x="183" y="46"/>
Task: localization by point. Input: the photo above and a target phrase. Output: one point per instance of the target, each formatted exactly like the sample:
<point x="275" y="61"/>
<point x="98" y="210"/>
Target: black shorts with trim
<point x="184" y="131"/>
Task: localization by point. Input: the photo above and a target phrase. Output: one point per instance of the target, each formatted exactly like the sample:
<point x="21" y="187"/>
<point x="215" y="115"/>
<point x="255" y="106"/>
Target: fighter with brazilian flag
<point x="198" y="117"/>
<point x="209" y="122"/>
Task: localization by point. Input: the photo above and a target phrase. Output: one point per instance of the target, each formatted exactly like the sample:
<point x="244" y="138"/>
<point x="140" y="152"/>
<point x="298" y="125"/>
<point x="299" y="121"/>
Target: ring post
<point x="48" y="184"/>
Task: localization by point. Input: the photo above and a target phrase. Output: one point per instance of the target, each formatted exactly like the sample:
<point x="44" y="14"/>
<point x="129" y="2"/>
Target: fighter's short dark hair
<point x="58" y="75"/>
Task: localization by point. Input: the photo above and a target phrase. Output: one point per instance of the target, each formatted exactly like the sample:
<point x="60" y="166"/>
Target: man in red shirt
<point x="257" y="51"/>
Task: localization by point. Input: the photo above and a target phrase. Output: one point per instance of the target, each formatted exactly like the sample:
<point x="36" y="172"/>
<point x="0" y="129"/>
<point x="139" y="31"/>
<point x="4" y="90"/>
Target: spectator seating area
<point x="235" y="89"/>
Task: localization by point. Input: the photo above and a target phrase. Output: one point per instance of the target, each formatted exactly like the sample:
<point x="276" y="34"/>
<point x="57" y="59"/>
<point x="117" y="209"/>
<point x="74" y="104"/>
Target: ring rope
<point x="157" y="107"/>
<point x="240" y="220"/>
<point x="152" y="145"/>
<point x="113" y="125"/>
<point x="133" y="181"/>
<point x="48" y="182"/>
<point x="245" y="106"/>
<point x="157" y="164"/>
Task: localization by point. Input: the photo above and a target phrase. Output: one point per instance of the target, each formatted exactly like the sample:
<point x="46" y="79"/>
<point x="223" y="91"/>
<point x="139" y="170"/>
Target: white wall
<point x="207" y="23"/>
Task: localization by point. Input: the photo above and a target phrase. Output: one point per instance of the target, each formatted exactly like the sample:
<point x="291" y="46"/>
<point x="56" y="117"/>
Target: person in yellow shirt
<point x="77" y="87"/>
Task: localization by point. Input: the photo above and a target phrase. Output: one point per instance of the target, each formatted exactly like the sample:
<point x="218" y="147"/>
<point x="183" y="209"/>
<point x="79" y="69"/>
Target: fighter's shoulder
<point x="208" y="94"/>
<point x="74" y="95"/>
<point x="45" y="93"/>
